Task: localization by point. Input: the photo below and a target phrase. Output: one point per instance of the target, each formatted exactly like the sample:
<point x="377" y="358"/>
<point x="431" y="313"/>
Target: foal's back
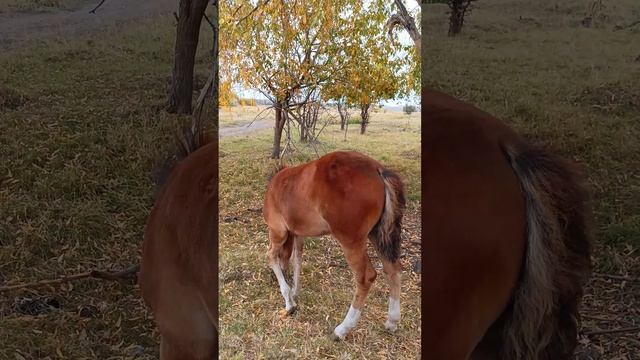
<point x="330" y="194"/>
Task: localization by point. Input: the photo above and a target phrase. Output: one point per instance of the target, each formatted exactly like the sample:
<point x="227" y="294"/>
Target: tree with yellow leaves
<point x="286" y="49"/>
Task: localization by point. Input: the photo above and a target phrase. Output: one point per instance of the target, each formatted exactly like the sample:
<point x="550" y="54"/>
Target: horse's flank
<point x="506" y="240"/>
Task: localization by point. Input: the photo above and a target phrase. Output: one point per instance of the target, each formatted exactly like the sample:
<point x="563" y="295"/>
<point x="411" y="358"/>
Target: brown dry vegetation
<point x="577" y="90"/>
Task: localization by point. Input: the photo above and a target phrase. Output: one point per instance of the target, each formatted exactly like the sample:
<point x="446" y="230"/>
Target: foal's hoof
<point x="336" y="337"/>
<point x="391" y="326"/>
<point x="284" y="312"/>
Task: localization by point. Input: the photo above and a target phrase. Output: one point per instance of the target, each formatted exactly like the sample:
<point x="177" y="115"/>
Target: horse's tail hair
<point x="385" y="235"/>
<point x="542" y="321"/>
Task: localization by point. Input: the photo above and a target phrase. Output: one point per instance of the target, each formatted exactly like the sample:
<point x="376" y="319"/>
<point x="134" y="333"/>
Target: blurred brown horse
<point x="352" y="197"/>
<point x="505" y="240"/>
<point x="178" y="273"/>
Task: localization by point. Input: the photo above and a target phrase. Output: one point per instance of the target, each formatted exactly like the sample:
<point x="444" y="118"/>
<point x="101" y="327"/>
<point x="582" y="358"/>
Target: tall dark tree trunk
<point x="459" y="10"/>
<point x="364" y="117"/>
<point x="277" y="136"/>
<point x="304" y="132"/>
<point x="190" y="17"/>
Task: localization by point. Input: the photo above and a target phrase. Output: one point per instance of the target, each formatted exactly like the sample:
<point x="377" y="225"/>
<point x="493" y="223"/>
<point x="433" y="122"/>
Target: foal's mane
<point x="187" y="140"/>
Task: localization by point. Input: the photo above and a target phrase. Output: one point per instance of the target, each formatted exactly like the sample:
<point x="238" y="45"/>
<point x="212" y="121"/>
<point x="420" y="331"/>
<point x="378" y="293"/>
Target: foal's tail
<point x="385" y="235"/>
<point x="542" y="323"/>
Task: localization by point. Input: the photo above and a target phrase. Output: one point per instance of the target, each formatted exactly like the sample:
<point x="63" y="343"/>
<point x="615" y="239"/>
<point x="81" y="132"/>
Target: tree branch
<point x="252" y="11"/>
<point x="405" y="20"/>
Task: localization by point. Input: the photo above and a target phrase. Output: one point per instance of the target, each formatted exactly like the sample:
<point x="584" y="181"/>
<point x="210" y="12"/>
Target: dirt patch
<point x="11" y="99"/>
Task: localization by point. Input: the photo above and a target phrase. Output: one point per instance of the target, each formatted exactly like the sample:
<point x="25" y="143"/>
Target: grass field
<point x="240" y="115"/>
<point x="249" y="297"/>
<point x="80" y="133"/>
<point x="577" y="90"/>
<point x="39" y="5"/>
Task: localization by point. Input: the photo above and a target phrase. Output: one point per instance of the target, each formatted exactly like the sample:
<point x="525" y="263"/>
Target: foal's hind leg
<point x="297" y="265"/>
<point x="392" y="270"/>
<point x="277" y="240"/>
<point x="365" y="275"/>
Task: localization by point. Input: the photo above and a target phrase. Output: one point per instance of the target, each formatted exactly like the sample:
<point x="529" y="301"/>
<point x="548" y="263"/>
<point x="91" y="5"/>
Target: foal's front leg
<point x="277" y="240"/>
<point x="365" y="275"/>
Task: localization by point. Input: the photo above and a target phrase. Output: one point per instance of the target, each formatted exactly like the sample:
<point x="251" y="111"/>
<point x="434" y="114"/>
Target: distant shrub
<point x="408" y="109"/>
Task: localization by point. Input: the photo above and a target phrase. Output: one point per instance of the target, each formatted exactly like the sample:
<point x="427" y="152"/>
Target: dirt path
<point x="17" y="27"/>
<point x="246" y="128"/>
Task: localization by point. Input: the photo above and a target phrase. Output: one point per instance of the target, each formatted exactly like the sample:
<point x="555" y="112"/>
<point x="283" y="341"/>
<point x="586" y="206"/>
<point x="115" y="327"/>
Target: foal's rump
<point x="361" y="196"/>
<point x="505" y="240"/>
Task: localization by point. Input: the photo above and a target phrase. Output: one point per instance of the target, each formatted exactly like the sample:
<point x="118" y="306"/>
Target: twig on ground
<point x="614" y="277"/>
<point x="97" y="6"/>
<point x="601" y="318"/>
<point x="611" y="331"/>
<point x="127" y="274"/>
<point x="623" y="27"/>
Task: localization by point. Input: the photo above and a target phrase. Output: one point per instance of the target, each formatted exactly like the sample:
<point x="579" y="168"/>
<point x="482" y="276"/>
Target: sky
<point x="403" y="37"/>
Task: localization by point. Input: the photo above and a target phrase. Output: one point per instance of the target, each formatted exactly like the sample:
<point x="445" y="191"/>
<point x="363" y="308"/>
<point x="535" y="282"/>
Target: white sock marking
<point x="394" y="314"/>
<point x="350" y="321"/>
<point x="284" y="288"/>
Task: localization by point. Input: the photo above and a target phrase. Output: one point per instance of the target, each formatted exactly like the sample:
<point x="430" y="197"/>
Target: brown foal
<point x="350" y="196"/>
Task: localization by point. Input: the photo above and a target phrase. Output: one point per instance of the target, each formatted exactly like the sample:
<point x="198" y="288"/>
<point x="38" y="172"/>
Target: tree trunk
<point x="187" y="32"/>
<point x="459" y="10"/>
<point x="364" y="117"/>
<point x="277" y="136"/>
<point x="343" y="115"/>
<point x="303" y="130"/>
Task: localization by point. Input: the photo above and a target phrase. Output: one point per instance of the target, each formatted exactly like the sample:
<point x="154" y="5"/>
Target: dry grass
<point x="576" y="89"/>
<point x="75" y="189"/>
<point x="249" y="297"/>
